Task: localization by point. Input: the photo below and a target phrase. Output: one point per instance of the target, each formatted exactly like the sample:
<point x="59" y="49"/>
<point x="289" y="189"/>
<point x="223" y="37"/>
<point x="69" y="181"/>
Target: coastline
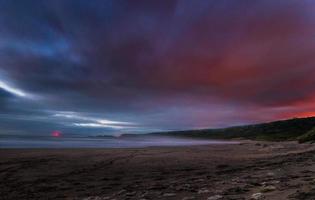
<point x="233" y="171"/>
<point x="109" y="142"/>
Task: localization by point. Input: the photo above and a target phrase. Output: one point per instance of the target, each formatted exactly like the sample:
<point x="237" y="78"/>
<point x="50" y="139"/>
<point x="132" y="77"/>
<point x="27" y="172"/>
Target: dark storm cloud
<point x="158" y="64"/>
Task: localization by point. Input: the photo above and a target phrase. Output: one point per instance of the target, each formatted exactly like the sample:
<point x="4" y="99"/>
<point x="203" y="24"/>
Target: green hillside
<point x="291" y="129"/>
<point x="308" y="136"/>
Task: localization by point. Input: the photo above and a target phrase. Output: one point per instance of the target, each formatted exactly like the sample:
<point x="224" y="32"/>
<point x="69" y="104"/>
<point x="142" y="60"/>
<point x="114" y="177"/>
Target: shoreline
<point x="111" y="143"/>
<point x="235" y="171"/>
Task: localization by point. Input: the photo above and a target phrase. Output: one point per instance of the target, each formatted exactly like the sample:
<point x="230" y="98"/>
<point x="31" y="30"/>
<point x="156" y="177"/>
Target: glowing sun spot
<point x="56" y="134"/>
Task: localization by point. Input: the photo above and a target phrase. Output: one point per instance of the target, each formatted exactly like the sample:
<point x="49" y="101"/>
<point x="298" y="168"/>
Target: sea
<point x="102" y="142"/>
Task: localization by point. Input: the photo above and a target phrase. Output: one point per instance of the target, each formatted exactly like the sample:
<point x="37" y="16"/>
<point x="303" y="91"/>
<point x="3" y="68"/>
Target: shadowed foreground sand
<point x="255" y="170"/>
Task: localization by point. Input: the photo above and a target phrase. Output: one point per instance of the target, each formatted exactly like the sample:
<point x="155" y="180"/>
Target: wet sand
<point x="258" y="170"/>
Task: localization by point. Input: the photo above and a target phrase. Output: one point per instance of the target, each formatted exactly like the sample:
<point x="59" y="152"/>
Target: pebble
<point x="215" y="197"/>
<point x="270" y="174"/>
<point x="131" y="193"/>
<point x="203" y="191"/>
<point x="274" y="182"/>
<point x="257" y="196"/>
<point x="169" y="194"/>
<point x="268" y="188"/>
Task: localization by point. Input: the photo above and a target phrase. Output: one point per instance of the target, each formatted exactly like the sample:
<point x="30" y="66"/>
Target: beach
<point x="245" y="170"/>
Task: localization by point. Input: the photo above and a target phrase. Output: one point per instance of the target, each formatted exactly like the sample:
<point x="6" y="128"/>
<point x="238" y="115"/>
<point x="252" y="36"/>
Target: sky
<point x="106" y="67"/>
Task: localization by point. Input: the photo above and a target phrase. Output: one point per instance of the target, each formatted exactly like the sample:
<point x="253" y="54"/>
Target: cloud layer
<point x="155" y="65"/>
